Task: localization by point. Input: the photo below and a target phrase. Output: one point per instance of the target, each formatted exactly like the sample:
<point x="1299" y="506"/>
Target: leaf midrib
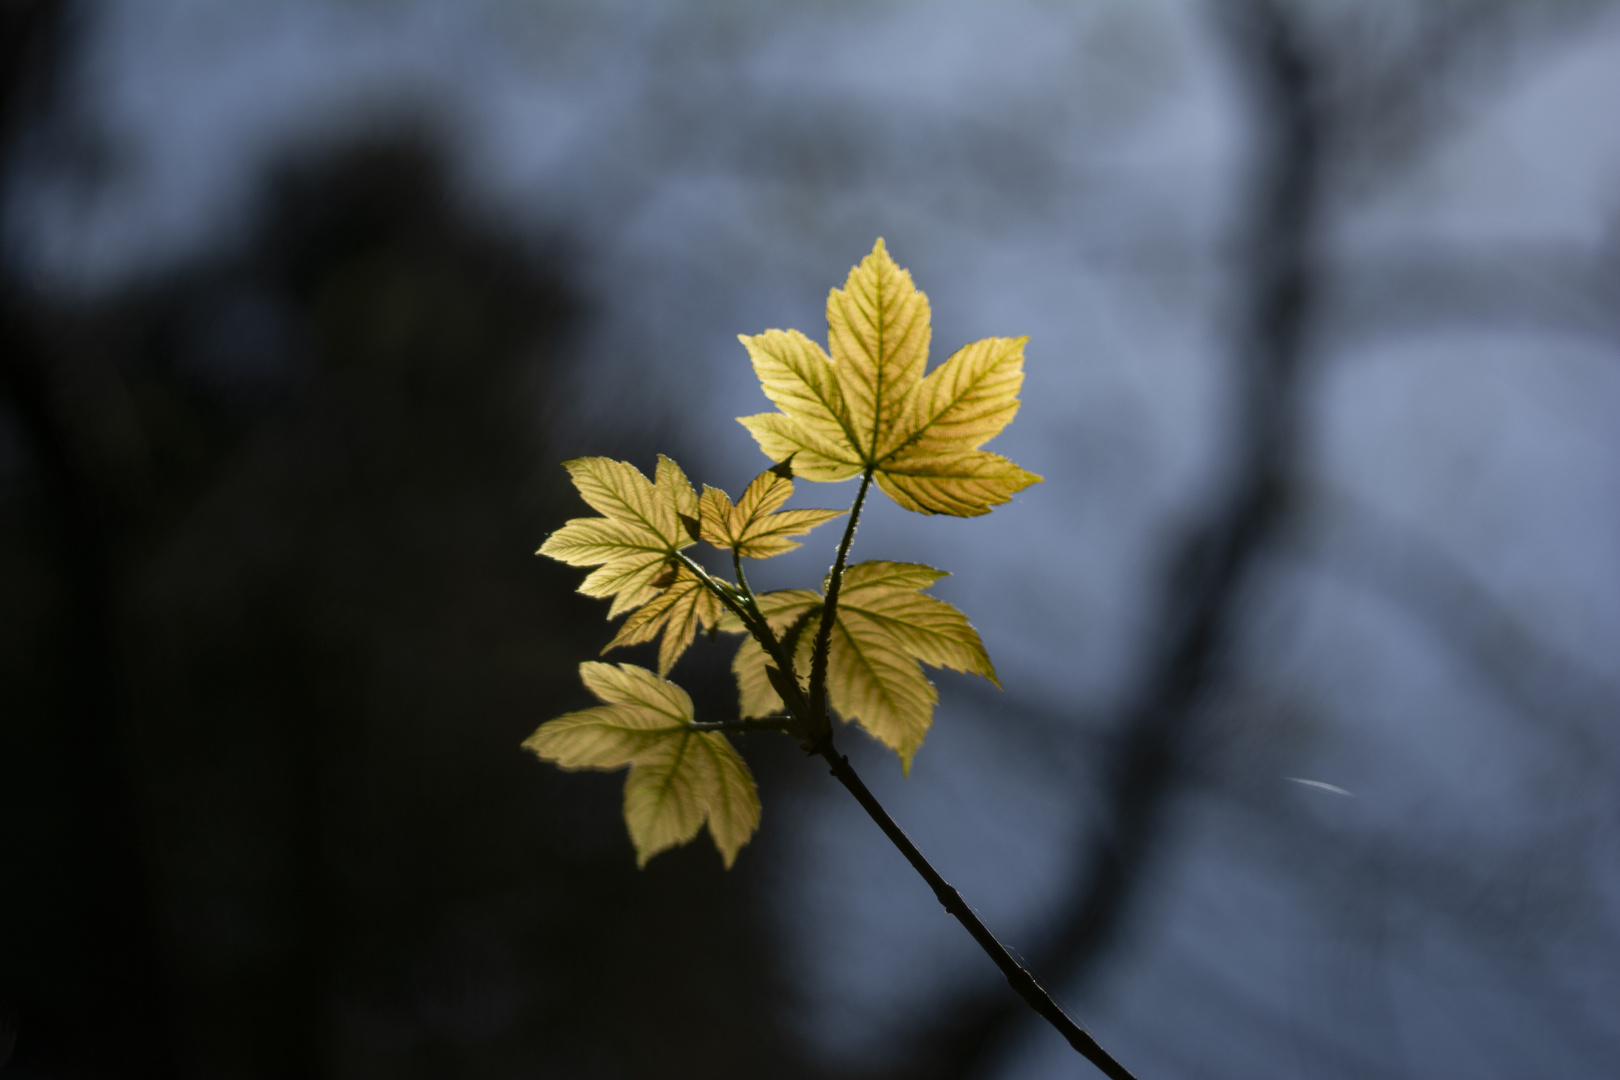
<point x="883" y="685"/>
<point x="922" y="429"/>
<point x="674" y="768"/>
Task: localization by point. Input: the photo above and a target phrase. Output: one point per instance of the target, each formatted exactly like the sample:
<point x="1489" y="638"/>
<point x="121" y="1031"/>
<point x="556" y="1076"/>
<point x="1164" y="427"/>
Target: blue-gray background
<point x="1307" y="761"/>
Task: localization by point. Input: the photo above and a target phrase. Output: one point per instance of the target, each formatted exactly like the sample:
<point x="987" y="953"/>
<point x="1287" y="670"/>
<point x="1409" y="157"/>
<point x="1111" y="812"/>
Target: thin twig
<point x="822" y="742"/>
<point x="1022" y="981"/>
<point x="829" y="614"/>
<point x="783" y="655"/>
<point x="811" y="719"/>
<point x="752" y="621"/>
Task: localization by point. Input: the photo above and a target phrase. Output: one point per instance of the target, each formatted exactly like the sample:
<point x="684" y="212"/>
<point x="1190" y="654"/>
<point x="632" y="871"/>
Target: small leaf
<point x="635" y="540"/>
<point x="678" y="611"/>
<point x="679" y="778"/>
<point x="886" y="626"/>
<point x="788" y="613"/>
<point x="872" y="681"/>
<point x="755" y="528"/>
<point x="869" y="406"/>
<point x="756" y="696"/>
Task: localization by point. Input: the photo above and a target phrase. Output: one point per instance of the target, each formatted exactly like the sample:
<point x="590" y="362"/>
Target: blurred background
<point x="1308" y="763"/>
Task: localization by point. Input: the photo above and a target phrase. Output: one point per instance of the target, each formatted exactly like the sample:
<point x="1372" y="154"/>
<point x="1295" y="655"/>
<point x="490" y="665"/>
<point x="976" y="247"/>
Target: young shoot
<point x="855" y="648"/>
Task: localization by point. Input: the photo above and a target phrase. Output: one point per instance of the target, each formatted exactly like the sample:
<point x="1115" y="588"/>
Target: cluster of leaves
<point x="857" y="647"/>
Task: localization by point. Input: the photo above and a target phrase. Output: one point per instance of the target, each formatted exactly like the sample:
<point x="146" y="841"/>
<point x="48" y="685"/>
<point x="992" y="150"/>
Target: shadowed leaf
<point x="679" y="778"/>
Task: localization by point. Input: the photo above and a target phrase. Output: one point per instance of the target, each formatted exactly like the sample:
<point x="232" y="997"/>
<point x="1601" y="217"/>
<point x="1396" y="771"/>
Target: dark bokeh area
<point x="1308" y="759"/>
<point x="273" y="636"/>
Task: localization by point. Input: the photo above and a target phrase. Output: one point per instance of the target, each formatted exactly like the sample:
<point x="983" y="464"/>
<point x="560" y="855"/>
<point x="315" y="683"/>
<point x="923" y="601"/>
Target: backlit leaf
<point x="869" y="405"/>
<point x="878" y="330"/>
<point x="679" y="778"/>
<point x="886" y="625"/>
<point x="963" y="483"/>
<point x="789" y="613"/>
<point x="756" y="528"/>
<point x="814" y="427"/>
<point x="640" y="531"/>
<point x="678" y="611"/>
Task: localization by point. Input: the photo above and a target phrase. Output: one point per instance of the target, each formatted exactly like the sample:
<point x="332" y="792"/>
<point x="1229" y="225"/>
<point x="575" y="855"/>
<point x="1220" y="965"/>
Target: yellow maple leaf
<point x="633" y="544"/>
<point x="869" y="406"/>
<point x="757" y="527"/>
<point x="787" y="611"/>
<point x="678" y="611"/>
<point x="679" y="778"/>
<point x="885" y="626"/>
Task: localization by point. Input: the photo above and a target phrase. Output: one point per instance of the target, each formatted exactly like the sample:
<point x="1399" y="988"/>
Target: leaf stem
<point x="752" y="620"/>
<point x="1017" y="975"/>
<point x="759" y="618"/>
<point x="829" y="614"/>
<point x="715" y="587"/>
<point x="812" y="720"/>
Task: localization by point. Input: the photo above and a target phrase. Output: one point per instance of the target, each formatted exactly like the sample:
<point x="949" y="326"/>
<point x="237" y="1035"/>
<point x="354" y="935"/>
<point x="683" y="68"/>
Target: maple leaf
<point x="634" y="543"/>
<point x="678" y="611"/>
<point x="869" y="405"/>
<point x="679" y="778"/>
<point x="885" y="628"/>
<point x="788" y="612"/>
<point x="757" y="527"/>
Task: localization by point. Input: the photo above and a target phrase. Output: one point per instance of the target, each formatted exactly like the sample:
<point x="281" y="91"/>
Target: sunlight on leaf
<point x="789" y="613"/>
<point x="678" y="611"/>
<point x="679" y="778"/>
<point x="756" y="528"/>
<point x="885" y="626"/>
<point x="878" y="328"/>
<point x="869" y="405"/>
<point x="637" y="536"/>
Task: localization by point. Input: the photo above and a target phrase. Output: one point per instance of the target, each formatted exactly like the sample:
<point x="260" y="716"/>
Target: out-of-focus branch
<point x="1323" y="111"/>
<point x="1018" y="977"/>
<point x="1207" y="577"/>
<point x="1543" y="682"/>
<point x="1533" y="888"/>
<point x="1399" y="76"/>
<point x="1567" y="291"/>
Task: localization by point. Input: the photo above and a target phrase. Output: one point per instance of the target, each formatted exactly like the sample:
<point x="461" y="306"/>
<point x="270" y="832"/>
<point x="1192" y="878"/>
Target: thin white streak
<point x="1324" y="785"/>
